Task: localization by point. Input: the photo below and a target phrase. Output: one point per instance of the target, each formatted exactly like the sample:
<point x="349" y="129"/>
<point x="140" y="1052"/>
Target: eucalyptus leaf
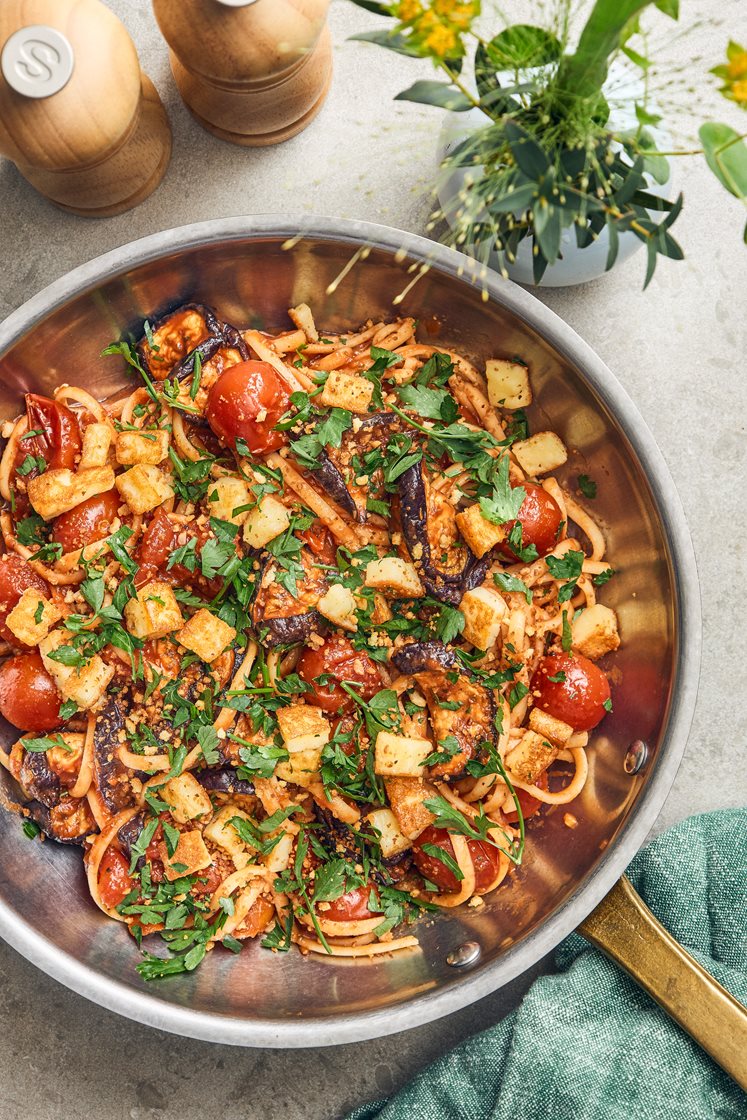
<point x="441" y="94"/>
<point x="391" y="40"/>
<point x="373" y="6"/>
<point x="522" y="46"/>
<point x="529" y="156"/>
<point x="726" y="154"/>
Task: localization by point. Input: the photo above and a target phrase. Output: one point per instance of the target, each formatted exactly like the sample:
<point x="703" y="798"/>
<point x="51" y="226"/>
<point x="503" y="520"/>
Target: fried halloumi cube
<point x="190" y="856"/>
<point x="303" y="318"/>
<point x="508" y="384"/>
<point x="302" y="768"/>
<point x="530" y="757"/>
<point x="391" y="838"/>
<point x="540" y="453"/>
<point x="267" y="521"/>
<point x="206" y="635"/>
<point x="346" y="390"/>
<point x="484" y="611"/>
<point x="222" y="833"/>
<point x="480" y="534"/>
<point x="407" y="797"/>
<point x="395" y="577"/>
<point x="556" y="730"/>
<point x="144" y="487"/>
<point x="227" y="495"/>
<point x="400" y="756"/>
<point x="155" y="612"/>
<point x="303" y="728"/>
<point x="149" y="446"/>
<point x="186" y="797"/>
<point x="595" y="632"/>
<point x="59" y="490"/>
<point x="84" y="684"/>
<point x="97" y="439"/>
<point x="338" y="605"/>
<point x="32" y="617"/>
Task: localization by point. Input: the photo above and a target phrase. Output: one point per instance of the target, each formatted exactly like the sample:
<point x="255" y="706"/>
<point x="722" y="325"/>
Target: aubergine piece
<point x="335" y="473"/>
<point x="471" y="723"/>
<point x="418" y="657"/>
<point x="447" y="570"/>
<point x="281" y="618"/>
<point x="224" y="780"/>
<point x="177" y="336"/>
<point x="38" y="779"/>
<point x="68" y="822"/>
<point x="129" y="833"/>
<point x="111" y="776"/>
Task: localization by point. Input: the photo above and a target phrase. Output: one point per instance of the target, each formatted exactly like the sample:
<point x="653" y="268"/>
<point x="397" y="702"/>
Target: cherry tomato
<point x="238" y="398"/>
<point x="529" y="805"/>
<point x="115" y="881"/>
<point x="58" y="442"/>
<point x="350" y="907"/>
<point x="257" y="919"/>
<point x="485" y="857"/>
<point x="156" y="545"/>
<point x="578" y="698"/>
<point x="540" y="517"/>
<point x="86" y="523"/>
<point x="16" y="576"/>
<point x="28" y="696"/>
<point x="181" y="574"/>
<point x="341" y="661"/>
<point x="320" y="541"/>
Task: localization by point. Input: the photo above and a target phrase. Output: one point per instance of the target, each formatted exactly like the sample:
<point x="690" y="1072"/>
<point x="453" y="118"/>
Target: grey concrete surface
<point x="679" y="349"/>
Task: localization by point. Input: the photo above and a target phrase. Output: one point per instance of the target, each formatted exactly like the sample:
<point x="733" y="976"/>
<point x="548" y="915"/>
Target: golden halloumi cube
<point x="59" y="490"/>
<point x="484" y="611"/>
<point x="84" y="684"/>
<point x="508" y="384"/>
<point x="391" y="838"/>
<point x="407" y="797"/>
<point x="97" y="439"/>
<point x="222" y="833"/>
<point x="302" y="768"/>
<point x="190" y="856"/>
<point x="206" y="635"/>
<point x="277" y="860"/>
<point x="302" y="317"/>
<point x="395" y="577"/>
<point x="556" y="730"/>
<point x="400" y="756"/>
<point x="530" y="757"/>
<point x="346" y="390"/>
<point x="149" y="446"/>
<point x="32" y="617"/>
<point x="267" y="521"/>
<point x="338" y="605"/>
<point x="540" y="453"/>
<point x="186" y="797"/>
<point x="303" y="728"/>
<point x="480" y="534"/>
<point x="226" y="495"/>
<point x="595" y="632"/>
<point x="144" y="487"/>
<point x="155" y="612"/>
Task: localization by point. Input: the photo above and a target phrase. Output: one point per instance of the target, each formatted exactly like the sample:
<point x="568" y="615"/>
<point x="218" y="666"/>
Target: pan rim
<point x="359" y="1026"/>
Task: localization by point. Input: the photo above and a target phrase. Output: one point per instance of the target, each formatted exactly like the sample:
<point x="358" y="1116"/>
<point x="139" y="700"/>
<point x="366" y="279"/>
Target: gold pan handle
<point x="624" y="928"/>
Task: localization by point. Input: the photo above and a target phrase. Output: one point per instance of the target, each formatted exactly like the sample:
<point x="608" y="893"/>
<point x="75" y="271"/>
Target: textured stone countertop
<point x="679" y="349"/>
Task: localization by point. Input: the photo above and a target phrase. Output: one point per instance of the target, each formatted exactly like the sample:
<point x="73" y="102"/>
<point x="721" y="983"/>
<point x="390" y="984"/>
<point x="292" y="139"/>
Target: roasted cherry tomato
<point x="485" y="857"/>
<point x="86" y="523"/>
<point x="320" y="541"/>
<point x="29" y="698"/>
<point x="578" y="695"/>
<point x="338" y="659"/>
<point x="257" y="919"/>
<point x="115" y="881"/>
<point x="540" y="517"/>
<point x="529" y="805"/>
<point x="16" y="576"/>
<point x="156" y="545"/>
<point x="245" y="403"/>
<point x="58" y="441"/>
<point x="350" y="907"/>
<point x="182" y="575"/>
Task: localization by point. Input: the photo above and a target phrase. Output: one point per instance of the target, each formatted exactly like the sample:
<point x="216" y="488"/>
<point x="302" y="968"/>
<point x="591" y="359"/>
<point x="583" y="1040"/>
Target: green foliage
<point x="726" y="154"/>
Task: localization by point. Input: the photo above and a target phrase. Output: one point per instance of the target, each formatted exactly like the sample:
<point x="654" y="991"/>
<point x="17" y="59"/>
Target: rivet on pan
<point x="636" y="758"/>
<point x="464" y="955"/>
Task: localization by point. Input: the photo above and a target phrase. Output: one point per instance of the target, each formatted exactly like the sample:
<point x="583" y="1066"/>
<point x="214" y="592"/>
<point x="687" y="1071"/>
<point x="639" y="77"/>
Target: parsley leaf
<point x="433" y="404"/>
<point x="507" y="582"/>
<point x="505" y="501"/>
<point x="587" y="486"/>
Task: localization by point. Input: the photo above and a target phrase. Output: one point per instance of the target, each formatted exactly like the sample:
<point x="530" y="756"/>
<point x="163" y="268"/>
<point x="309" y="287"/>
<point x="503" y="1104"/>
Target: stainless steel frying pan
<point x="245" y="268"/>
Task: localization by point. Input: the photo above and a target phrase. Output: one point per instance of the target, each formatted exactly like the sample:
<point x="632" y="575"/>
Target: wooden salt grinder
<point x="78" y="117"/>
<point x="253" y="72"/>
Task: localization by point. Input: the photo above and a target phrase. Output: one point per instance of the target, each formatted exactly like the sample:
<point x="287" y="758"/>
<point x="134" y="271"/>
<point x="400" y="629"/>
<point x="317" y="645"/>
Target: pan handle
<point x="624" y="928"/>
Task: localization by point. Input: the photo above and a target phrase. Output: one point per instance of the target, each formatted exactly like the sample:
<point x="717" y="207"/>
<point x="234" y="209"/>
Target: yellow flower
<point x="409" y="10"/>
<point x="739" y="91"/>
<point x="737" y="67"/>
<point x="442" y="41"/>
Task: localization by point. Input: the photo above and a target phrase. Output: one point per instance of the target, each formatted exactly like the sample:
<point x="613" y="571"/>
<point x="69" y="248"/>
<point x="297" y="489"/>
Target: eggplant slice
<point x="111" y="776"/>
<point x="224" y="780"/>
<point x="419" y="657"/>
<point x="284" y="618"/>
<point x="336" y="473"/>
<point x="38" y="779"/>
<point x="429" y="531"/>
<point x="68" y="822"/>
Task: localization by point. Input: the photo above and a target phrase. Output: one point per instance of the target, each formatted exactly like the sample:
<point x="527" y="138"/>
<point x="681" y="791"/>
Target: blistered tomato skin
<point x="58" y="441"/>
<point x="16" y="576"/>
<point x="350" y="907"/>
<point x="245" y="403"/>
<point x="485" y="857"/>
<point x="29" y="698"/>
<point x="540" y="517"/>
<point x="86" y="523"/>
<point x="338" y="659"/>
<point x="115" y="881"/>
<point x="578" y="697"/>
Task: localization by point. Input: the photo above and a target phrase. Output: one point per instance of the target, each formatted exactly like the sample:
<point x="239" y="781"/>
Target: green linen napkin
<point x="587" y="1043"/>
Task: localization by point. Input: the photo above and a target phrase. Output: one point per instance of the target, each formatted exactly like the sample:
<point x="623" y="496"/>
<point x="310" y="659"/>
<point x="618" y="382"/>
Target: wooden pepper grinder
<point x="78" y="117"/>
<point x="253" y="72"/>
